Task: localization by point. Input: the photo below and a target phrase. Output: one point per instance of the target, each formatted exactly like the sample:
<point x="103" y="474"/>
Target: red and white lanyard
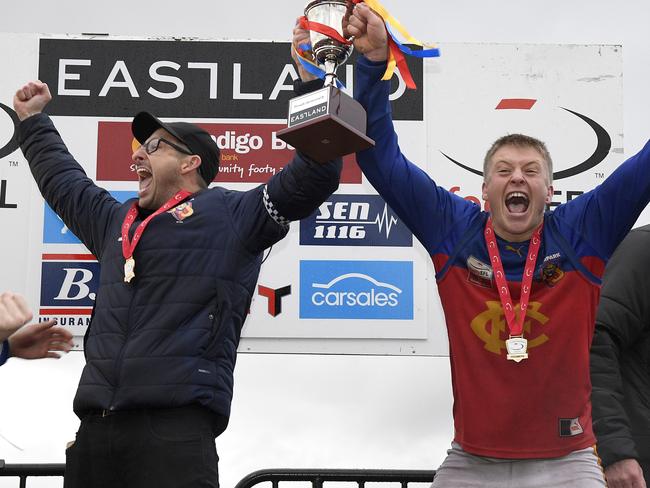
<point x="128" y="246"/>
<point x="516" y="344"/>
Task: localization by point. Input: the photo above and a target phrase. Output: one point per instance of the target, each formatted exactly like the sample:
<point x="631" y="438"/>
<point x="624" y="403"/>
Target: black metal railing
<point x="24" y="471"/>
<point x="318" y="476"/>
<point x="314" y="476"/>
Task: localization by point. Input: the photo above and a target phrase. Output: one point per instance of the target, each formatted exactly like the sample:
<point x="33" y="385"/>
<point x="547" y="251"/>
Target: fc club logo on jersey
<point x="354" y="220"/>
<point x="356" y="290"/>
<point x="490" y="326"/>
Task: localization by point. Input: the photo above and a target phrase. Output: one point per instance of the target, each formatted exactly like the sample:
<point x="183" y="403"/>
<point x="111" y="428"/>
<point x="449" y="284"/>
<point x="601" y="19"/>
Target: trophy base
<point x="326" y="124"/>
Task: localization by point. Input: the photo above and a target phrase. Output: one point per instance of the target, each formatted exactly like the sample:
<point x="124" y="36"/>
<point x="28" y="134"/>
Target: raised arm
<point x="428" y="210"/>
<point x="84" y="207"/>
<point x="292" y="194"/>
<point x="606" y="214"/>
<point x="262" y="215"/>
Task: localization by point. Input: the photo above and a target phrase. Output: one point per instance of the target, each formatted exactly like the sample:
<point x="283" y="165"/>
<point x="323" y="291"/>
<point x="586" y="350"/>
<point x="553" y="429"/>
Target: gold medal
<point x="517" y="348"/>
<point x="129" y="270"/>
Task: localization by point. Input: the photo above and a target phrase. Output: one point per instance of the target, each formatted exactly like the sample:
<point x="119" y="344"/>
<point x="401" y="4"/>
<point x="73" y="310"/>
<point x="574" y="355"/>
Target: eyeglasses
<point x="151" y="146"/>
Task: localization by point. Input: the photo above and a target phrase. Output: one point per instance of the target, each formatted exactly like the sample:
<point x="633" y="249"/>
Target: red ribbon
<point x="401" y="63"/>
<point x="515" y="326"/>
<point x="128" y="247"/>
<point x="326" y="30"/>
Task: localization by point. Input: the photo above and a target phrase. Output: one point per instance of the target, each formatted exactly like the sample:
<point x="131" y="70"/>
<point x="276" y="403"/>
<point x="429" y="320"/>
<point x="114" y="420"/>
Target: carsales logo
<point x="250" y="153"/>
<point x="356" y="290"/>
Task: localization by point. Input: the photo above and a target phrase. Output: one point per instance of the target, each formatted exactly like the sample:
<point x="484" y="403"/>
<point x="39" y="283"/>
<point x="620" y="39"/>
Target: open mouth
<point x="144" y="179"/>
<point x="517" y="202"/>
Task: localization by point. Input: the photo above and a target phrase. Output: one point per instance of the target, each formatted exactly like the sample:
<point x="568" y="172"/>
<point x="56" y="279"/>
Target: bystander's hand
<point x="300" y="38"/>
<point x="625" y="474"/>
<point x="42" y="340"/>
<point x="14" y="313"/>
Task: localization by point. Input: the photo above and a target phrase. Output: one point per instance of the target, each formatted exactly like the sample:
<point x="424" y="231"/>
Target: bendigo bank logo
<point x="356" y="289"/>
<point x="249" y="153"/>
<point x="69" y="284"/>
<point x="354" y="220"/>
<point x="490" y="326"/>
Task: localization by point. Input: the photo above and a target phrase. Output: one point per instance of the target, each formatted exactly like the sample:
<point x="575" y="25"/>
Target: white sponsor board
<point x="350" y="280"/>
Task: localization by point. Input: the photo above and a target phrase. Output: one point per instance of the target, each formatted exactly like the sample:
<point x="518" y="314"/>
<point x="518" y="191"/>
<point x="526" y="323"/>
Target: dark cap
<point x="196" y="139"/>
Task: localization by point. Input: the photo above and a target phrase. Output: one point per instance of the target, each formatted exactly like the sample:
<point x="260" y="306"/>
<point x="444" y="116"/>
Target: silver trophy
<point x="328" y="52"/>
<point x="327" y="123"/>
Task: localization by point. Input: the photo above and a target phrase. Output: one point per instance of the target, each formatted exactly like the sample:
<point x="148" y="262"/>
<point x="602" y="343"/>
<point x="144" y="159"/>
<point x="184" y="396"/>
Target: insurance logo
<point x="56" y="232"/>
<point x="69" y="284"/>
<point x="356" y="290"/>
<point x="354" y="220"/>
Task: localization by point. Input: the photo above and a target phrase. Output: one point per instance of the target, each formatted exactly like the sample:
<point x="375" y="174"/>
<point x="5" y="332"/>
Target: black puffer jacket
<point x="620" y="355"/>
<point x="169" y="338"/>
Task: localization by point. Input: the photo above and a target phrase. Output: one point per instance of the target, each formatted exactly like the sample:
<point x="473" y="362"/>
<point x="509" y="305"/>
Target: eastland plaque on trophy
<point x="327" y="123"/>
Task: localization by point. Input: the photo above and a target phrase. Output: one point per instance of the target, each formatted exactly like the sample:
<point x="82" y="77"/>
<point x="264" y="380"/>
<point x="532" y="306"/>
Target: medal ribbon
<point x="128" y="246"/>
<point x="516" y="327"/>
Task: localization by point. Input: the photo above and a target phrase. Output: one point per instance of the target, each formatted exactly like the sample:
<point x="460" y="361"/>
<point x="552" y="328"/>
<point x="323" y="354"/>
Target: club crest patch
<point x="479" y="273"/>
<point x="182" y="211"/>
<point x="551" y="273"/>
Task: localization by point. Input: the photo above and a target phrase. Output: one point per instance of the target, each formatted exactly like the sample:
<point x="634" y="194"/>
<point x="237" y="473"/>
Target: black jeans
<point x="156" y="448"/>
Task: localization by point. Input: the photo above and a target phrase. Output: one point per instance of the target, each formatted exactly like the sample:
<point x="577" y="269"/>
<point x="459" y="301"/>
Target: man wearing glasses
<point x="172" y="299"/>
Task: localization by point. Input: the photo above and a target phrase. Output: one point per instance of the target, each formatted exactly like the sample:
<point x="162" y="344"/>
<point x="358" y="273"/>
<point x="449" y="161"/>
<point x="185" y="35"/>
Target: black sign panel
<point x="103" y="77"/>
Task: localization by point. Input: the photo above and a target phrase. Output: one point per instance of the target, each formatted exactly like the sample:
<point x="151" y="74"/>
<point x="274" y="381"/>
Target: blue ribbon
<point x="420" y="53"/>
<point x="316" y="70"/>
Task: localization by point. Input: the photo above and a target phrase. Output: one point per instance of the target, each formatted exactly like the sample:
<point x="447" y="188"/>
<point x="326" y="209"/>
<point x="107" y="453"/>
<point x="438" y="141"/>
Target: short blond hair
<point x="519" y="140"/>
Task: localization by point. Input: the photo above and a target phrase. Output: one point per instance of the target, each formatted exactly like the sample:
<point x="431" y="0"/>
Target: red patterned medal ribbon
<point x="128" y="246"/>
<point x="516" y="327"/>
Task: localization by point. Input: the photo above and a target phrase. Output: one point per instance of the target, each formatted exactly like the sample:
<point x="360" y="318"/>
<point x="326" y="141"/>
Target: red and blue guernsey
<point x="540" y="407"/>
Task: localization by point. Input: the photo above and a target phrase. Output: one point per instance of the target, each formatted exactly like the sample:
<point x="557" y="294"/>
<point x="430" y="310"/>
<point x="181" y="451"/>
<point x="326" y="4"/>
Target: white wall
<point x="314" y="411"/>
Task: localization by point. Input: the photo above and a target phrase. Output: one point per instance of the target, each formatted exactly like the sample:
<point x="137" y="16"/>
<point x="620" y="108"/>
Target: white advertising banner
<point x="350" y="279"/>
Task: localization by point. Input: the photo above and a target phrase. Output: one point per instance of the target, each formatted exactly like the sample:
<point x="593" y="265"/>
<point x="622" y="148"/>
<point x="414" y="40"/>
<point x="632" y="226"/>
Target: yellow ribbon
<point x="394" y="23"/>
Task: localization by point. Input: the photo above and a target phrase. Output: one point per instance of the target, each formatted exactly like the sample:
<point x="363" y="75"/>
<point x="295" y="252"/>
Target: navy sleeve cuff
<point x="4" y="352"/>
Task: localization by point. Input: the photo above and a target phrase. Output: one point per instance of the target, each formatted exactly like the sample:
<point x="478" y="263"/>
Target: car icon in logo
<point x="356" y="289"/>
